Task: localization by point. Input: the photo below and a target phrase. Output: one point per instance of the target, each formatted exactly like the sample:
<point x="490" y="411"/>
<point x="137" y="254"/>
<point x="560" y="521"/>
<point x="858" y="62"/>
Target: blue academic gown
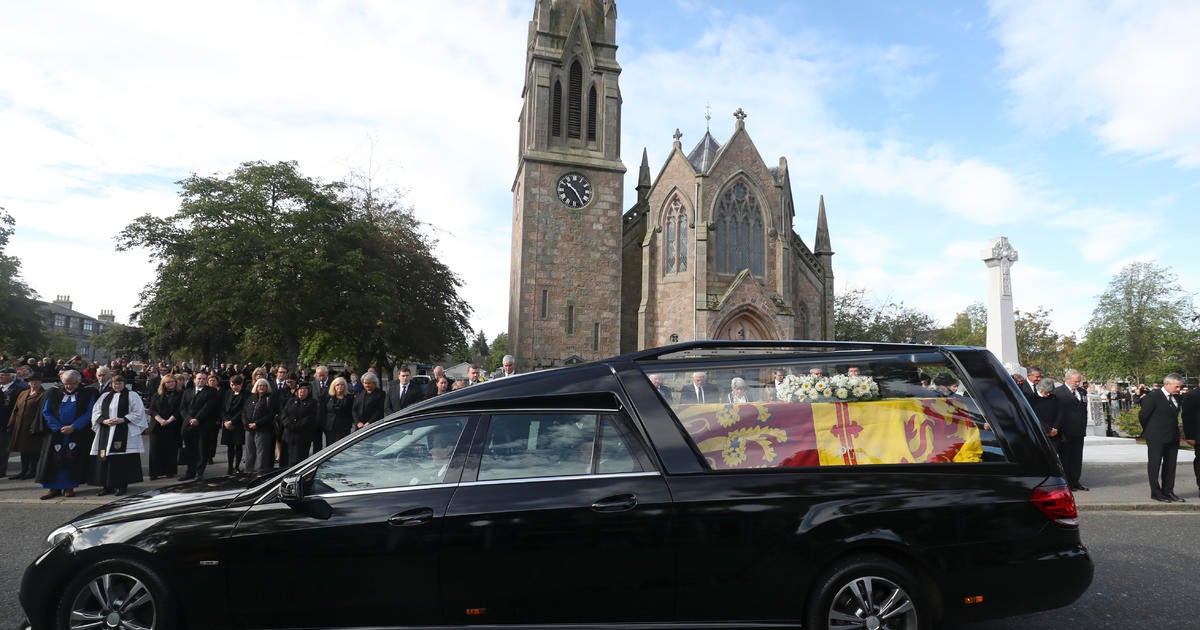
<point x="62" y="479"/>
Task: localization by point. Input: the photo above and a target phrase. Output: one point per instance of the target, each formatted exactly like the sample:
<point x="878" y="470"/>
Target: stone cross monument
<point x="1001" y="329"/>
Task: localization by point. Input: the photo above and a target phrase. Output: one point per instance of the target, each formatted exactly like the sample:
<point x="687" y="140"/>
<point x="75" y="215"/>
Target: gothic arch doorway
<point x="744" y="324"/>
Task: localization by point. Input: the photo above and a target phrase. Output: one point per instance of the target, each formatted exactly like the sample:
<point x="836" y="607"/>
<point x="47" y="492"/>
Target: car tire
<point x="124" y="593"/>
<point x="868" y="592"/>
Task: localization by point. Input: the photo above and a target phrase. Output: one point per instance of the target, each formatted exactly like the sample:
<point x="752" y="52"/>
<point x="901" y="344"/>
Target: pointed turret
<point x="643" y="185"/>
<point x="822" y="240"/>
<point x="824" y="253"/>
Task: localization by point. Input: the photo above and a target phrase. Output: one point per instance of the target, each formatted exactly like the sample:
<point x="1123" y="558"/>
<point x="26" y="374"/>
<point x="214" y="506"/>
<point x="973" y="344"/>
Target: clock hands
<point x="578" y="197"/>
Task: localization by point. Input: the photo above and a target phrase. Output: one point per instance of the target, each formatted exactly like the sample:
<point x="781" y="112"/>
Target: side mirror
<point x="291" y="492"/>
<point x="290" y="489"/>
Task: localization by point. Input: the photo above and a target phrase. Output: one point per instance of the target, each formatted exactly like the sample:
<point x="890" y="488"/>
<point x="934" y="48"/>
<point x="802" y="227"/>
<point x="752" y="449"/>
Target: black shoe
<point x="1080" y="488"/>
<point x="186" y="477"/>
<point x="104" y="492"/>
<point x="20" y="475"/>
<point x="51" y="494"/>
<point x="1174" y="497"/>
<point x="29" y="475"/>
<point x="1160" y="498"/>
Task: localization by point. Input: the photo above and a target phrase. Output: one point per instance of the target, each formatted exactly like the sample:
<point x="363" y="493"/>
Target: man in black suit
<point x="320" y="395"/>
<point x="699" y="391"/>
<point x="403" y="392"/>
<point x="1189" y="404"/>
<point x="1159" y="416"/>
<point x="1072" y="426"/>
<point x="201" y="412"/>
<point x="1033" y="377"/>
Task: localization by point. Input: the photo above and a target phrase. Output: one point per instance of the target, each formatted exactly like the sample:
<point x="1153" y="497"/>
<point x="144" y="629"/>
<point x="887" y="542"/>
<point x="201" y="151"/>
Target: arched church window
<point x="574" y="100"/>
<point x="591" y="126"/>
<point x="556" y="110"/>
<point x="676" y="231"/>
<point x="739" y="237"/>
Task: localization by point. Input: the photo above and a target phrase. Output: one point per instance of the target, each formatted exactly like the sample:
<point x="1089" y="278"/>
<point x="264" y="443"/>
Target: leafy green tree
<point x="498" y="349"/>
<point x="119" y="339"/>
<point x="479" y="346"/>
<point x="1141" y="328"/>
<point x="969" y="328"/>
<point x="266" y="259"/>
<point x="856" y="318"/>
<point x="20" y="317"/>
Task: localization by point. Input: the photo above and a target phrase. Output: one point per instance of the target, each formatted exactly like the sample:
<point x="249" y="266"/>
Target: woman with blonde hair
<point x="164" y="428"/>
<point x="339" y="409"/>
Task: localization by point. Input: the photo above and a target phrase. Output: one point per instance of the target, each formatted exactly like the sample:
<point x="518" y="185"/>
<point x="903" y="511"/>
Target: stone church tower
<point x="567" y="194"/>
<point x="707" y="252"/>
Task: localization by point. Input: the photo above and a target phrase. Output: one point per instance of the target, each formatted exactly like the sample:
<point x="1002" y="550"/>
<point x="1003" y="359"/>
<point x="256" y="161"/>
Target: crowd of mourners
<point x="75" y="422"/>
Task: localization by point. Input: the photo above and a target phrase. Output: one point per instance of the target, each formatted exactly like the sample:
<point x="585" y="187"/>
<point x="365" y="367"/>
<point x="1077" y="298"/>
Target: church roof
<point x="705" y="152"/>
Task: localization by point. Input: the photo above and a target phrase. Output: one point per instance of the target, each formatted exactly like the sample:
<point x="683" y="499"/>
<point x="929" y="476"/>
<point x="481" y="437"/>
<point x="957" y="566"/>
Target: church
<point x="707" y="251"/>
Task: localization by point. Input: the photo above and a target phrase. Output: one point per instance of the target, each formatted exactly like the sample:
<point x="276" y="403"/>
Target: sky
<point x="1071" y="128"/>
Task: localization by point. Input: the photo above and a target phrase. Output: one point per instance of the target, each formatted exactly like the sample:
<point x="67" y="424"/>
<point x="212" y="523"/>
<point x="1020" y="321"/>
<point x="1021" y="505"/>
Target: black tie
<point x="403" y="390"/>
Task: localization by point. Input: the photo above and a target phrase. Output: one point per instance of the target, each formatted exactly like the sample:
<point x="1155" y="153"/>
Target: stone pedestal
<point x="1001" y="328"/>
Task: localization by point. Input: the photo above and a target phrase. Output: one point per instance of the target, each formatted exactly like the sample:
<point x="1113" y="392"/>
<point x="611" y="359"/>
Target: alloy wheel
<point x="113" y="601"/>
<point x="872" y="603"/>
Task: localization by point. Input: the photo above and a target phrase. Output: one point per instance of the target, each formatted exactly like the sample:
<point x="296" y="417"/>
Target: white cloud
<point x="1123" y="70"/>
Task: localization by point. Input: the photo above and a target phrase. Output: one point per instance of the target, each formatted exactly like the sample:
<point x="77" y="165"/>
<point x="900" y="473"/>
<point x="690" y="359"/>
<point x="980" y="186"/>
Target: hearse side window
<point x="550" y="444"/>
<point x="409" y="454"/>
<point x="877" y="410"/>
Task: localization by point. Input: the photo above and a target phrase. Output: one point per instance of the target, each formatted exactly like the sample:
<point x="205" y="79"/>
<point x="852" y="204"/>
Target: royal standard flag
<point x="781" y="434"/>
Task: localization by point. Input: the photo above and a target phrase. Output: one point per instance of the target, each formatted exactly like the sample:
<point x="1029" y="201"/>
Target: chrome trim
<point x="493" y="482"/>
<point x="356" y="493"/>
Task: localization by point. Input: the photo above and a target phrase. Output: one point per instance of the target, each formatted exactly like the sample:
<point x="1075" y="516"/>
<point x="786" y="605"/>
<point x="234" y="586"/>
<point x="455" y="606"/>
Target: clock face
<point x="574" y="190"/>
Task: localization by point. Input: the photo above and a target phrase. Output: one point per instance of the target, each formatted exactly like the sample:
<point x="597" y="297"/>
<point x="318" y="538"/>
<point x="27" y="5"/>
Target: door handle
<point x="619" y="503"/>
<point x="419" y="516"/>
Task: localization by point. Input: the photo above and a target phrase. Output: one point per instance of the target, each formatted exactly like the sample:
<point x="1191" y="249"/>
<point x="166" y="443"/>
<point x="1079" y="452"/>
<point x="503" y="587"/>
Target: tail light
<point x="1057" y="503"/>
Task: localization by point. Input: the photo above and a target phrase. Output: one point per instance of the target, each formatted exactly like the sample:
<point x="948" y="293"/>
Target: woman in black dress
<point x="233" y="435"/>
<point x="164" y="428"/>
<point x="369" y="403"/>
<point x="339" y="409"/>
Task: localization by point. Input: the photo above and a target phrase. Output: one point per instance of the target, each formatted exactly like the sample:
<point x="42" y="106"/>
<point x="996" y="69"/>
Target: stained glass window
<point x="675" y="228"/>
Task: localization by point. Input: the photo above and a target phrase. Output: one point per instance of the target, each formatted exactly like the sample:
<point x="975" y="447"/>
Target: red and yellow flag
<point x="780" y="434"/>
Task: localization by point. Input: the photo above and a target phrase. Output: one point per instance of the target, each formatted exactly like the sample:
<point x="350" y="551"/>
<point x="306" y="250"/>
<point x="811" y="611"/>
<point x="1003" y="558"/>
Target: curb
<point x="1138" y="507"/>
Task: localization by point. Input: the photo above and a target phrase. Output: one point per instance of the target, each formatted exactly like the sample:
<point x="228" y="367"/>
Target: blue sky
<point x="1072" y="128"/>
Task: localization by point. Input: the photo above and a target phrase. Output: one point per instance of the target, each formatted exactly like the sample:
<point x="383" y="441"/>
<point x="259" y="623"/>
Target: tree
<point x="1141" y="328"/>
<point x="497" y="351"/>
<point x="479" y="346"/>
<point x="969" y="328"/>
<point x="268" y="260"/>
<point x="119" y="339"/>
<point x="858" y="319"/>
<point x="20" y="317"/>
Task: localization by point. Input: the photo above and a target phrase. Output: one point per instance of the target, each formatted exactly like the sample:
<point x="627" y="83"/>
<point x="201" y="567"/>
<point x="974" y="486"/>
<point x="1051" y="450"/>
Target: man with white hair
<point x="508" y="367"/>
<point x="1159" y="417"/>
<point x="103" y="375"/>
<point x="1072" y="426"/>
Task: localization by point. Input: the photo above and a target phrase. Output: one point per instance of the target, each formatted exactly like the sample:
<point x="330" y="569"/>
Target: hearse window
<point x="878" y="410"/>
<point x="548" y="444"/>
<point x="410" y="454"/>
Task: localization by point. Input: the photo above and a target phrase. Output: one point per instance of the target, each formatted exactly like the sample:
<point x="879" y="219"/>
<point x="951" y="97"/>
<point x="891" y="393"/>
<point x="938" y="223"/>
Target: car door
<point x="362" y="548"/>
<point x="563" y="520"/>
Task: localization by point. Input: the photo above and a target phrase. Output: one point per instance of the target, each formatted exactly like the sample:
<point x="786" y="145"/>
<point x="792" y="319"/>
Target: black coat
<point x="687" y="394"/>
<point x="1189" y="404"/>
<point x="260" y="411"/>
<point x="368" y="406"/>
<point x="321" y="395"/>
<point x="1047" y="413"/>
<point x="232" y="408"/>
<point x="299" y="417"/>
<point x="339" y="415"/>
<point x="1159" y="418"/>
<point x="1072" y="412"/>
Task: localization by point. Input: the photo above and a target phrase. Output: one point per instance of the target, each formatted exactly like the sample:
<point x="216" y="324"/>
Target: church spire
<point x="643" y="185"/>
<point x="822" y="242"/>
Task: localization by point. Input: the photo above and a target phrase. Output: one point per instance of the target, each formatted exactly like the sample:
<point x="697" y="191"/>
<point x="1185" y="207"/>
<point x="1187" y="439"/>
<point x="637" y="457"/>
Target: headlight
<point x="60" y="534"/>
